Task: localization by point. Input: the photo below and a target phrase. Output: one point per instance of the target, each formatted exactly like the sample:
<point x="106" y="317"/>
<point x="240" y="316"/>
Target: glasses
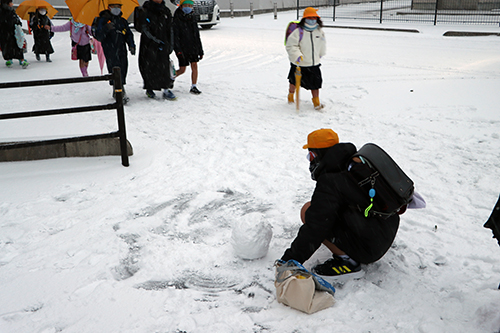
<point x="311" y="156"/>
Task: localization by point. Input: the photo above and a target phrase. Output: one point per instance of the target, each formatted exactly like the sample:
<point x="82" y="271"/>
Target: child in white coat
<point x="305" y="46"/>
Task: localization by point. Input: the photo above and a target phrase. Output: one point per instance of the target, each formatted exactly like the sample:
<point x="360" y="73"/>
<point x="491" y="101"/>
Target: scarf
<point x="77" y="26"/>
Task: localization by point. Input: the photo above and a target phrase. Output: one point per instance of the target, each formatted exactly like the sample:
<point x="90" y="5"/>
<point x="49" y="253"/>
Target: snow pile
<point x="251" y="236"/>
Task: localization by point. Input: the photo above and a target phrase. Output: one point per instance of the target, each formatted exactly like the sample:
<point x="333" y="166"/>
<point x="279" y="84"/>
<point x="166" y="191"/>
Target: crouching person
<point x="336" y="214"/>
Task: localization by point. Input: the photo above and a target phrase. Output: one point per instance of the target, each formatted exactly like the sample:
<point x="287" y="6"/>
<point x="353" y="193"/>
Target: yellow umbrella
<point x="84" y="11"/>
<point x="30" y="6"/>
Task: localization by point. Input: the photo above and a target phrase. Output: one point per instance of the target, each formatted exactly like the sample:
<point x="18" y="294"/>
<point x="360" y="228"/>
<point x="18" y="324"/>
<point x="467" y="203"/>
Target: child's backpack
<point x="291" y="27"/>
<point x="139" y="18"/>
<point x="387" y="186"/>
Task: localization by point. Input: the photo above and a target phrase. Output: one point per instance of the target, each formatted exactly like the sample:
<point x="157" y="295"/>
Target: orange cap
<point x="310" y="12"/>
<point x="322" y="138"/>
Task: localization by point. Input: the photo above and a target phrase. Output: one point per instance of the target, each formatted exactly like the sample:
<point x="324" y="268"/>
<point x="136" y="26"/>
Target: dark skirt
<point x="83" y="52"/>
<point x="311" y="77"/>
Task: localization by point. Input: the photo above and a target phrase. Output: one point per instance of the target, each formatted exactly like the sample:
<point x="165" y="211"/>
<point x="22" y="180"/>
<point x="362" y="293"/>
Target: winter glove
<point x="132" y="50"/>
<point x="180" y="56"/>
<point x="279" y="262"/>
<point x="162" y="45"/>
<point x="110" y="26"/>
<point x="200" y="57"/>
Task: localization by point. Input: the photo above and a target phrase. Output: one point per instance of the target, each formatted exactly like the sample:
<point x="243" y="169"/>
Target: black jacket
<point x="41" y="35"/>
<point x="8" y="43"/>
<point x="334" y="214"/>
<point x="187" y="34"/>
<point x="156" y="46"/>
<point x="114" y="34"/>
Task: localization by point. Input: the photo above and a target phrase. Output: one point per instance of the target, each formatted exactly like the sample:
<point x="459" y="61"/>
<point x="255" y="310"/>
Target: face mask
<point x="311" y="21"/>
<point x="42" y="11"/>
<point x="115" y="11"/>
<point x="314" y="163"/>
<point x="187" y="10"/>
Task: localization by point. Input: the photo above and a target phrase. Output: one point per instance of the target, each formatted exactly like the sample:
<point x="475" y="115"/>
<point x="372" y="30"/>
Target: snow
<point x="87" y="245"/>
<point x="251" y="236"/>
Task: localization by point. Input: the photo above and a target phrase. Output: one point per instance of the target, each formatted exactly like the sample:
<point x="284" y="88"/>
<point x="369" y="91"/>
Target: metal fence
<point x="424" y="11"/>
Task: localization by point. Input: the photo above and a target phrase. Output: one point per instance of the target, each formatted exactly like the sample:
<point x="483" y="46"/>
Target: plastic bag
<point x="92" y="46"/>
<point x="74" y="53"/>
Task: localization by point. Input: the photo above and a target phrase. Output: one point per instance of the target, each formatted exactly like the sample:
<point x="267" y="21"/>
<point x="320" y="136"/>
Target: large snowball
<point x="251" y="236"/>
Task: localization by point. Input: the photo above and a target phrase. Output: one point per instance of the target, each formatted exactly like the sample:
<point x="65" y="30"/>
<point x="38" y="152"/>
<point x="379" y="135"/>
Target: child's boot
<point x="47" y="57"/>
<point x="290" y="98"/>
<point x="37" y="56"/>
<point x="84" y="71"/>
<point x="8" y="63"/>
<point x="317" y="104"/>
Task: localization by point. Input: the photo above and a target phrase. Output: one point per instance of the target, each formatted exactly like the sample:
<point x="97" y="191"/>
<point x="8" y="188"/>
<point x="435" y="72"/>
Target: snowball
<point x="251" y="236"/>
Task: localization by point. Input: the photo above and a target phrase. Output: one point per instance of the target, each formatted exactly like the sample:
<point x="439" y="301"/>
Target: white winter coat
<point x="311" y="47"/>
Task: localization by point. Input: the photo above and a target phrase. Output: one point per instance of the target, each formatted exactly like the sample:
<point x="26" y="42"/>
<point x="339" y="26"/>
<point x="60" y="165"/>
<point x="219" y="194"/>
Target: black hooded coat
<point x="186" y="33"/>
<point x="334" y="214"/>
<point x="41" y="35"/>
<point x="8" y="43"/>
<point x="156" y="46"/>
<point x="114" y="34"/>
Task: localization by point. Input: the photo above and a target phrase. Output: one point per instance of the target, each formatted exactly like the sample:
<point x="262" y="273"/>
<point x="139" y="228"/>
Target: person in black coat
<point x="11" y="44"/>
<point x="333" y="217"/>
<point x="156" y="46"/>
<point x="187" y="44"/>
<point x="41" y="26"/>
<point x="114" y="34"/>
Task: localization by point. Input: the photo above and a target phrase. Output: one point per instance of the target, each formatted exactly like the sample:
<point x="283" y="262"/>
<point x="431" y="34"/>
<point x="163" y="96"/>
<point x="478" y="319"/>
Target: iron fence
<point x="423" y="11"/>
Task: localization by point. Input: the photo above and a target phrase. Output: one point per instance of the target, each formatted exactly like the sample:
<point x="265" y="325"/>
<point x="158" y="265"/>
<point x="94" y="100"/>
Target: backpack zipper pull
<point x="371" y="193"/>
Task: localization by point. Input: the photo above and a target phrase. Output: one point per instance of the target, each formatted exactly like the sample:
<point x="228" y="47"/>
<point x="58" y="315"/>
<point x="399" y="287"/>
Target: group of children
<point x="161" y="33"/>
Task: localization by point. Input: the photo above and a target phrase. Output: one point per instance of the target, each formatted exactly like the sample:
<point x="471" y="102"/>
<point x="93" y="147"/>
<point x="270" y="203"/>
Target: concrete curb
<point x="469" y="34"/>
<point x="89" y="148"/>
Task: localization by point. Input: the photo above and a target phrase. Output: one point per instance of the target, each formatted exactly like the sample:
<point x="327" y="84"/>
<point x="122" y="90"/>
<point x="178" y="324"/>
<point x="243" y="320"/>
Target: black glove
<point x="200" y="57"/>
<point x="132" y="50"/>
<point x="162" y="45"/>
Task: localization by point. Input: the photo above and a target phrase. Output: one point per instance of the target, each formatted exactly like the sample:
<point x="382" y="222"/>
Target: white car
<point x="207" y="11"/>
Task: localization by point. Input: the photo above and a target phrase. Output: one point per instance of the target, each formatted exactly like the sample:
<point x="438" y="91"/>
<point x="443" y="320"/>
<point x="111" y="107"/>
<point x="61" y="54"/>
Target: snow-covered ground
<point x="87" y="245"/>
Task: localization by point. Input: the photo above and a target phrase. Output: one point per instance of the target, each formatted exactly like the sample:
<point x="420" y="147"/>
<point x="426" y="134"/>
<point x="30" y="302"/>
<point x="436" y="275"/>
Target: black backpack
<point x="139" y="18"/>
<point x="93" y="27"/>
<point x="387" y="186"/>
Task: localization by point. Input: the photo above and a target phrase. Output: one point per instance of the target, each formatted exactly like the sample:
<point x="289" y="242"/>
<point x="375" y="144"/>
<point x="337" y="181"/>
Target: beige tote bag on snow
<point x="301" y="290"/>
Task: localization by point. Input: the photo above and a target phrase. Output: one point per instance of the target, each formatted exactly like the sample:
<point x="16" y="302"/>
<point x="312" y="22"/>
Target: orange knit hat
<point x="322" y="138"/>
<point x="310" y="12"/>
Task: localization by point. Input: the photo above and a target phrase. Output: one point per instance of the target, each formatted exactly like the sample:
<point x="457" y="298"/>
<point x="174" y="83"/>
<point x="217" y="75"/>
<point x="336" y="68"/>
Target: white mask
<point x="115" y="11"/>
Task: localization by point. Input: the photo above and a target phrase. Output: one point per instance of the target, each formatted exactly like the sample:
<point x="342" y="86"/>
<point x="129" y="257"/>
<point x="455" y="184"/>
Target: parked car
<point x="207" y="11"/>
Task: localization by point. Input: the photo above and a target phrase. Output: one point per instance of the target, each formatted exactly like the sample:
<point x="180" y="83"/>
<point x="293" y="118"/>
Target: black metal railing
<point x="423" y="11"/>
<point x="118" y="105"/>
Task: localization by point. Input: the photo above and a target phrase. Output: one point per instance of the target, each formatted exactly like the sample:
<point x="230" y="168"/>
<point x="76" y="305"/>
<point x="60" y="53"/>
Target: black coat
<point x="41" y="35"/>
<point x="186" y="34"/>
<point x="156" y="46"/>
<point x="334" y="214"/>
<point x="8" y="43"/>
<point x="114" y="34"/>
